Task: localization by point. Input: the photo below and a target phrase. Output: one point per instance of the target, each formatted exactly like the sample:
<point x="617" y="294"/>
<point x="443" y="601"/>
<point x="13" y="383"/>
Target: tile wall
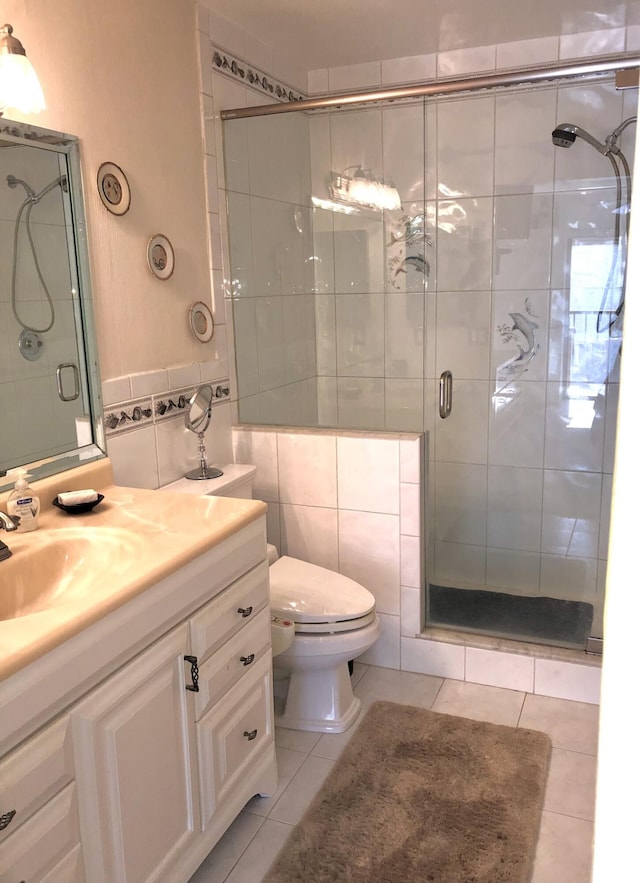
<point x="352" y="501"/>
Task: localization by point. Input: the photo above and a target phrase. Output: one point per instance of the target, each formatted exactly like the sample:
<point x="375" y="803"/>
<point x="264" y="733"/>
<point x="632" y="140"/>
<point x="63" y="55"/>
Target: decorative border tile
<point x="224" y="62"/>
<point x="132" y="414"/>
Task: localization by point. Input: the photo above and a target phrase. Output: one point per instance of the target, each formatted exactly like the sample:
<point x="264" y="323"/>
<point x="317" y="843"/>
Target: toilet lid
<point x="307" y="593"/>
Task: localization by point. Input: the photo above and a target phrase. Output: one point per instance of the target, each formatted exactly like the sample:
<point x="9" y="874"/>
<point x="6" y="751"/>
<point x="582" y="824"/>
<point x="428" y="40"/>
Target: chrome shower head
<point x="565" y="134"/>
<point x="563" y="137"/>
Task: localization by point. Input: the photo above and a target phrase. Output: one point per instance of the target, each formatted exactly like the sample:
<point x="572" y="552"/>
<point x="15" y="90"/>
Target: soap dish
<point x="78" y="508"/>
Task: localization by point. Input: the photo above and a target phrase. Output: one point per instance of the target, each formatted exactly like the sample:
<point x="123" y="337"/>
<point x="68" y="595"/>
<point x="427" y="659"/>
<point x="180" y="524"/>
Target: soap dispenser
<point x="22" y="503"/>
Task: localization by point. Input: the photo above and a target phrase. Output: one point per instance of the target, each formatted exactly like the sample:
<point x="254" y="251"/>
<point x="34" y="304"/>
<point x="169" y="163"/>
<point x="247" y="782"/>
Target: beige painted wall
<point x="123" y="77"/>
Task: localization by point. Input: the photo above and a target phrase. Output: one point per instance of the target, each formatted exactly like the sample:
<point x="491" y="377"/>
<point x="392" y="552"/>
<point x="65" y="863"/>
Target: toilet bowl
<point x="330" y="620"/>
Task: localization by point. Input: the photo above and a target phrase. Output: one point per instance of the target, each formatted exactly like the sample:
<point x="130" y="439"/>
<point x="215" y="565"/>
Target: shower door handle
<point x="446" y="394"/>
<point x="76" y="382"/>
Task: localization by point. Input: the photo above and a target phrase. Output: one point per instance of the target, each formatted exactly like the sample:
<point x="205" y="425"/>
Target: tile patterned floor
<point x="304" y="759"/>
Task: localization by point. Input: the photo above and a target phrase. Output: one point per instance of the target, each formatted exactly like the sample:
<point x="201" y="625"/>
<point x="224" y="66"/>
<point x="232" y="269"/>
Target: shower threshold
<point x="556" y="621"/>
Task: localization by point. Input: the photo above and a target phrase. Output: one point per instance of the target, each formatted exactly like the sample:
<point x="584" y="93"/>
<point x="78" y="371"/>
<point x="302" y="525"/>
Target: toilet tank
<point x="236" y="481"/>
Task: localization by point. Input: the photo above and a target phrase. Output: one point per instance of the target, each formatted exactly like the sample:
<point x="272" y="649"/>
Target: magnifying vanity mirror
<point x="197" y="419"/>
<point x="50" y="398"/>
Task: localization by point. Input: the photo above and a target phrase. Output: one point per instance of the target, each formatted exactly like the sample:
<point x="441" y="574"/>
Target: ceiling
<point x="330" y="33"/>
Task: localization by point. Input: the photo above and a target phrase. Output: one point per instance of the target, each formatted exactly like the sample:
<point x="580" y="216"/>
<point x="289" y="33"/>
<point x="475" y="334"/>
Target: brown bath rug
<point x="422" y="797"/>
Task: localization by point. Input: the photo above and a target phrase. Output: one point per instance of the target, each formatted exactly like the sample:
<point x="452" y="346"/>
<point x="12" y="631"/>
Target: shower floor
<point x="545" y="620"/>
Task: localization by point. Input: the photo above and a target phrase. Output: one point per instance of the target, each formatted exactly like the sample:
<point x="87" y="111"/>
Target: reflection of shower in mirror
<point x="30" y="343"/>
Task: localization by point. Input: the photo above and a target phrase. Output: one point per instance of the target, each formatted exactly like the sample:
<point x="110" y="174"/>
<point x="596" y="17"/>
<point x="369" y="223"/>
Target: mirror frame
<point x="29" y="135"/>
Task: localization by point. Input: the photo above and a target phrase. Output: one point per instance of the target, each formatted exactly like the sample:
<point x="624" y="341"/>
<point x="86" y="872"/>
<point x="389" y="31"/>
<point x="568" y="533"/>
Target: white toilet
<point x="335" y="621"/>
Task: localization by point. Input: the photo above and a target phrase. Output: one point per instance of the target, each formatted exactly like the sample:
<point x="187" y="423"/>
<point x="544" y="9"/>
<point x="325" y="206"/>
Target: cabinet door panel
<point x="36" y="846"/>
<point x="134" y="764"/>
<point x="233" y="734"/>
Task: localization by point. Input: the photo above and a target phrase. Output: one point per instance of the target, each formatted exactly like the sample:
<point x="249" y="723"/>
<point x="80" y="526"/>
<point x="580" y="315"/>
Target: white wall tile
<point x="411" y="619"/>
<point x="513" y="570"/>
<point x="307" y="469"/>
<point x="369" y="548"/>
<point x="148" y="383"/>
<point x="410" y="460"/>
<point x="462" y="437"/>
<point x="571" y="578"/>
<point x="310" y="533"/>
<point x="354" y="76"/>
<point x="459" y="565"/>
<point x="411" y="562"/>
<point x="466" y="61"/>
<point x="460" y="491"/>
<point x="386" y="650"/>
<point x="368" y="475"/>
<point x="433" y="658"/>
<point x="516" y="424"/>
<point x="522" y="53"/>
<point x="463" y="339"/>
<point x="318" y="81"/>
<point x="590" y="43"/>
<point x="273" y="524"/>
<point x="507" y="670"/>
<point x="566" y="680"/>
<point x="465" y="165"/>
<point x="184" y="375"/>
<point x="523" y="237"/>
<point x="412" y="68"/>
<point x="133" y="457"/>
<point x="510" y="525"/>
<point x="261" y="450"/>
<point x="118" y="389"/>
<point x="410" y="509"/>
<point x="464" y="251"/>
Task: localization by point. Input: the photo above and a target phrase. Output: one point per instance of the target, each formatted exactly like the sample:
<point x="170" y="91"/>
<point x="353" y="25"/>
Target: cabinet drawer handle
<point x="250" y="734"/>
<point x="247" y="660"/>
<point x="195" y="674"/>
<point x="6" y="818"/>
<point x="245" y="611"/>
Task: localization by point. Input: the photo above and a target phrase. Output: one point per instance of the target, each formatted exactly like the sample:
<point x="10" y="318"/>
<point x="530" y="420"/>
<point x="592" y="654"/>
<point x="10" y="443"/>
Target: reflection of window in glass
<point x="595" y="288"/>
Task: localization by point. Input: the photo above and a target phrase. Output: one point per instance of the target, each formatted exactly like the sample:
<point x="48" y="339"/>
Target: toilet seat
<point x="318" y="600"/>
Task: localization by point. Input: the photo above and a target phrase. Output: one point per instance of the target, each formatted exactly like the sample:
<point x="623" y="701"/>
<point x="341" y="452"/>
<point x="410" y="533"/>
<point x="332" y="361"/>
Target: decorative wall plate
<point x="160" y="256"/>
<point x="201" y="321"/>
<point x="113" y="188"/>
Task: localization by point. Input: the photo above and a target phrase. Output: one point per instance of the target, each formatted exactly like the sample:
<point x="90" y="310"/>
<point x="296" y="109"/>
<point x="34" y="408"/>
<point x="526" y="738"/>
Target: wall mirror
<point x="50" y="397"/>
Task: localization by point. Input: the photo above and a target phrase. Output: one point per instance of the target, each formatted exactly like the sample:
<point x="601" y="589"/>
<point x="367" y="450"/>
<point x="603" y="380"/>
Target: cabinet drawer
<point x="233" y="661"/>
<point x="35" y="772"/>
<point x="69" y="870"/>
<point x="228" y="612"/>
<point x="233" y="734"/>
<point x="35" y="847"/>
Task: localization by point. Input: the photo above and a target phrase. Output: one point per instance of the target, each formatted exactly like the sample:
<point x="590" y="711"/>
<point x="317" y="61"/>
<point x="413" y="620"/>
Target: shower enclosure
<point x="438" y="264"/>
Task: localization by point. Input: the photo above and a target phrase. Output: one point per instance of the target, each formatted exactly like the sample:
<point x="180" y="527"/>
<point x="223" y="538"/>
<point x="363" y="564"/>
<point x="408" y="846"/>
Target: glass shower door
<point x="520" y="472"/>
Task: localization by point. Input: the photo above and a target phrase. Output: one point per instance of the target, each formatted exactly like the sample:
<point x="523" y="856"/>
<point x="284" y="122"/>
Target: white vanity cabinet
<point x="141" y="774"/>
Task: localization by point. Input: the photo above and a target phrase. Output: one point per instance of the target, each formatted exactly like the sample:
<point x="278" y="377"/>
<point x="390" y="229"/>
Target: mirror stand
<point x="197" y="419"/>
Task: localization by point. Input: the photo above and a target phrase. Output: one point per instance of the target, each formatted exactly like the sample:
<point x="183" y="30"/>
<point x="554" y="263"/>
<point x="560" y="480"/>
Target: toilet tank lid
<point x="308" y="593"/>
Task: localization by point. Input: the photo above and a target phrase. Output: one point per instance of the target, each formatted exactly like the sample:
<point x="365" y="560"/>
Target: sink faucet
<point x="7" y="522"/>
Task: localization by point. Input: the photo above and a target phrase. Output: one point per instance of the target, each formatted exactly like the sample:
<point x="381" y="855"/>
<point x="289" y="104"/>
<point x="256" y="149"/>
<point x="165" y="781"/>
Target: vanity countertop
<point x="162" y="532"/>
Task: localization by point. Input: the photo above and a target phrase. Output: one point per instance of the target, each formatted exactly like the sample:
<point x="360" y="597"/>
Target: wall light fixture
<point x="19" y="84"/>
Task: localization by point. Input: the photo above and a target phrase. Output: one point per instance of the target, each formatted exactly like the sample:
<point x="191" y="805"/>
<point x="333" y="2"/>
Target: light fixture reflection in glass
<point x="363" y="189"/>
<point x="19" y="84"/>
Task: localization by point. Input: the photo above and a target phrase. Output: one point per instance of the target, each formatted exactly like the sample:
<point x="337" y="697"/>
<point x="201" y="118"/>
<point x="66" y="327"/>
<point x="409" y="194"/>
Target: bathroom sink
<point x="55" y="567"/>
